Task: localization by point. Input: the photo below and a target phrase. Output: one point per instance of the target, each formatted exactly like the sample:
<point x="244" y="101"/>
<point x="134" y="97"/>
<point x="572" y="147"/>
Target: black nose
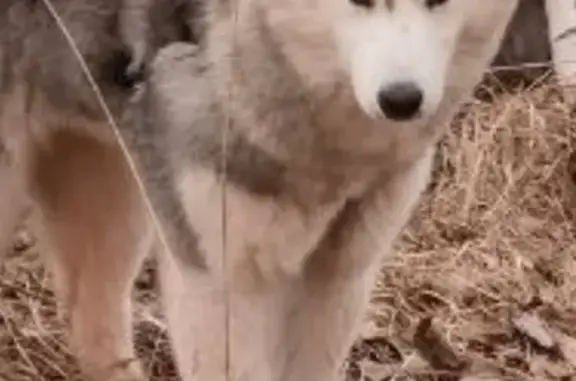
<point x="400" y="101"/>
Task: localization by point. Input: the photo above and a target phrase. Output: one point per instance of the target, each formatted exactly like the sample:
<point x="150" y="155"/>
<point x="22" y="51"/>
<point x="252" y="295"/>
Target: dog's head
<point x="399" y="52"/>
<point x="396" y="55"/>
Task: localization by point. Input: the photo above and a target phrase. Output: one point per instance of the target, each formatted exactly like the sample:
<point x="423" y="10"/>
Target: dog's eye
<point x="435" y="3"/>
<point x="363" y="3"/>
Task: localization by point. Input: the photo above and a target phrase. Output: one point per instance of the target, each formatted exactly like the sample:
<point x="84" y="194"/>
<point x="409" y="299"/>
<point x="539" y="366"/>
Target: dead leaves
<point x="430" y="342"/>
<point x="554" y="351"/>
<point x="427" y="354"/>
<point x="530" y="325"/>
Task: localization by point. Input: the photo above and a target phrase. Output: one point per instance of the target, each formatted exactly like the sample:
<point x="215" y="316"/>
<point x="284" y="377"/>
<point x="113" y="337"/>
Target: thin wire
<point x="112" y="122"/>
<point x="224" y="221"/>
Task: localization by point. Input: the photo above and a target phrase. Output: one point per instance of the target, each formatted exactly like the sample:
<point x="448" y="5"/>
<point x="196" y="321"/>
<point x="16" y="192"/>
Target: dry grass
<point x="494" y="237"/>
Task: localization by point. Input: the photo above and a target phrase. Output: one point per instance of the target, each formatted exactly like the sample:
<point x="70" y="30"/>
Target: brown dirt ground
<point x="493" y="239"/>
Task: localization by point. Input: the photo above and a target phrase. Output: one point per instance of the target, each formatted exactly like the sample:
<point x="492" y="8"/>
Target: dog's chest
<point x="259" y="236"/>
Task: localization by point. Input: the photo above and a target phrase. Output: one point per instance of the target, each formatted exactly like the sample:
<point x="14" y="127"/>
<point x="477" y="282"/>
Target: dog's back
<point x="34" y="50"/>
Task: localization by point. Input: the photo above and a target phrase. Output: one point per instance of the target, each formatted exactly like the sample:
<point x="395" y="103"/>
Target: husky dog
<point x="284" y="153"/>
<point x="284" y="144"/>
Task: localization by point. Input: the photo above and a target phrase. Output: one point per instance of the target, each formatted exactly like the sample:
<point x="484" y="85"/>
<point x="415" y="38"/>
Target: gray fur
<point x="33" y="47"/>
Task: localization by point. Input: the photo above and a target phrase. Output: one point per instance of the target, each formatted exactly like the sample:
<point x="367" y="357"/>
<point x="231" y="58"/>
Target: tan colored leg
<point x="93" y="220"/>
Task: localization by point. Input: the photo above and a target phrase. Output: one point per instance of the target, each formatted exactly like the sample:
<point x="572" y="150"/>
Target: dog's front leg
<point x="220" y="330"/>
<point x="229" y="321"/>
<point x="340" y="275"/>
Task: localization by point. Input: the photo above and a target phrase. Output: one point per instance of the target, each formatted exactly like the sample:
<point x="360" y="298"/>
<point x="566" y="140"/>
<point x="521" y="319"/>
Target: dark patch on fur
<point x="390" y="4"/>
<point x="116" y="70"/>
<point x="176" y="20"/>
<point x="247" y="165"/>
<point x="5" y="72"/>
<point x="184" y="31"/>
<point x="253" y="169"/>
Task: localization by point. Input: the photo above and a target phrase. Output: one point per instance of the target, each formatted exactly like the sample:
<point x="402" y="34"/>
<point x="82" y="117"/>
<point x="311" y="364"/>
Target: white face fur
<point x="397" y="53"/>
